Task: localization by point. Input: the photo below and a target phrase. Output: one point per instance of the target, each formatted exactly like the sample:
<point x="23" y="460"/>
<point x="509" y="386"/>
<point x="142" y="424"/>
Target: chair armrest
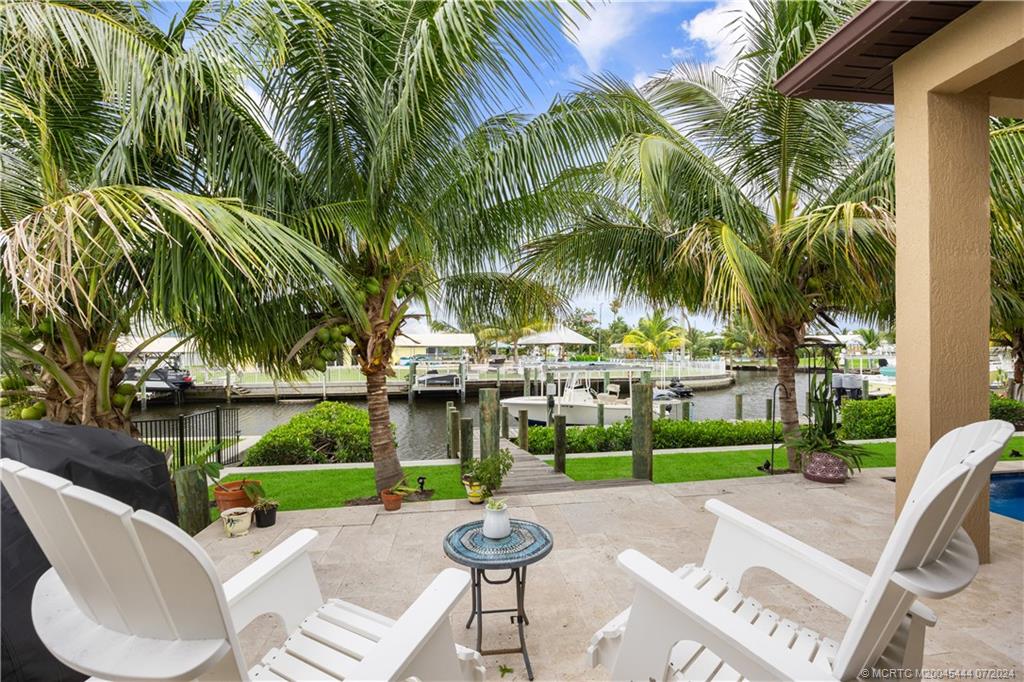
<point x="741" y="542"/>
<point x="281" y="582"/>
<point x="698" y="617"/>
<point x="425" y="623"/>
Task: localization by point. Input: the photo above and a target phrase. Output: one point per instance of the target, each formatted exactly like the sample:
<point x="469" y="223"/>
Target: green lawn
<point x="333" y="487"/>
<point x="704" y="466"/>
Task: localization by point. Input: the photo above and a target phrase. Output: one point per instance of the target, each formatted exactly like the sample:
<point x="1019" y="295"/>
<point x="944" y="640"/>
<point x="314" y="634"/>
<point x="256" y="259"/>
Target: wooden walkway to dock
<point x="532" y="475"/>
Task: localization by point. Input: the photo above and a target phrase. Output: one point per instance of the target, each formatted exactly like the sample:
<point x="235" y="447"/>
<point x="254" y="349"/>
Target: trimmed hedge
<point x="668" y="433"/>
<point x="1007" y="409"/>
<point x="330" y="432"/>
<point x="869" y="418"/>
<point x="877" y="418"/>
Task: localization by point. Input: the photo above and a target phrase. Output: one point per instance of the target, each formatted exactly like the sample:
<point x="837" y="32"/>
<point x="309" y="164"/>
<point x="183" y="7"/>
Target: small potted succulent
<point x="265" y="512"/>
<point x="392" y="497"/>
<point x="237" y="521"/>
<point x="497" y="524"/>
<point x="825" y="457"/>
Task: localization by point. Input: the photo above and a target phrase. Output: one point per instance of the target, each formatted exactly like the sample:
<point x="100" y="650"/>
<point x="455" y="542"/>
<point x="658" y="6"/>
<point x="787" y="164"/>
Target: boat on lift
<point x="578" y="402"/>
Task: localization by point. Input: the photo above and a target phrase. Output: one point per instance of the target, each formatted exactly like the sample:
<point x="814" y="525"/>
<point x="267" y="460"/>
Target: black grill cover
<point x="110" y="463"/>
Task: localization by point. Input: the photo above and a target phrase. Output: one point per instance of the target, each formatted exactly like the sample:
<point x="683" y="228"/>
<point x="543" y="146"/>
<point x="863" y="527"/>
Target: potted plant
<point x="825" y="457"/>
<point x="474" y="491"/>
<point x="236" y="521"/>
<point x="265" y="511"/>
<point x="483" y="477"/>
<point x="392" y="497"/>
<point x="497" y="523"/>
<point x="235" y="493"/>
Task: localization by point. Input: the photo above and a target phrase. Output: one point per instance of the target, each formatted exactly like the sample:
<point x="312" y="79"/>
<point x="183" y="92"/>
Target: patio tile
<point x="384" y="560"/>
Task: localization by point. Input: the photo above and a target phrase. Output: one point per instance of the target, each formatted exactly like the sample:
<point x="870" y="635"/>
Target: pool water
<point x="1006" y="494"/>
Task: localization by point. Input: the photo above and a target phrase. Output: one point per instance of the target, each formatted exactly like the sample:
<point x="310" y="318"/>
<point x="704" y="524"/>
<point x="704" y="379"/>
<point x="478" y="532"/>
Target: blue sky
<point x="636" y="40"/>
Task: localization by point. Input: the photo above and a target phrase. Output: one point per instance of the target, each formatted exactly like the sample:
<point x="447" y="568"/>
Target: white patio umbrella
<point x="558" y="336"/>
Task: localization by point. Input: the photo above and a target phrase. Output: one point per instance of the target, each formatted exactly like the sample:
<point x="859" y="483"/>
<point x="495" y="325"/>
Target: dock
<point x="530" y="474"/>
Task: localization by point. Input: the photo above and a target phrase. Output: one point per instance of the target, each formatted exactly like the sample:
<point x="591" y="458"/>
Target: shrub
<point x="1007" y="409"/>
<point x="869" y="418"/>
<point x="330" y="432"/>
<point x="668" y="433"/>
<point x="877" y="418"/>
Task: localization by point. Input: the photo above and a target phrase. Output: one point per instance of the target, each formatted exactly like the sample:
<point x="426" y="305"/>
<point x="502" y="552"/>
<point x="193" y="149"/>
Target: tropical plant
<point x="822" y="433"/>
<point x="1007" y="244"/>
<point x="740" y="338"/>
<point x="871" y="338"/>
<point x="655" y="335"/>
<point x="111" y="201"/>
<point x="730" y="199"/>
<point x="697" y="343"/>
<point x="385" y="113"/>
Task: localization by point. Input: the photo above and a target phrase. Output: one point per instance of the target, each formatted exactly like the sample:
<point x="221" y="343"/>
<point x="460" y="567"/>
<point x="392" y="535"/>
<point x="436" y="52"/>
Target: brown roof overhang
<point x="855" y="63"/>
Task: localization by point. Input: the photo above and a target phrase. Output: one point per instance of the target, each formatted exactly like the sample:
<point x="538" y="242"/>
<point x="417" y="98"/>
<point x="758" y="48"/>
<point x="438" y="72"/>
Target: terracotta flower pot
<point x="392" y="501"/>
<point x="229" y="495"/>
<point x="824" y="467"/>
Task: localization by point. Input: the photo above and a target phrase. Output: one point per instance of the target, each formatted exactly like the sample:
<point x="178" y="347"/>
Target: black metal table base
<point x="479" y="576"/>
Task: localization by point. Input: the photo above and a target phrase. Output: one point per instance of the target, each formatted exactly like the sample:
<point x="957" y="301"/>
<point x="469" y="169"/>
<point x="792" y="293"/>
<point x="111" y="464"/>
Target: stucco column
<point x="942" y="277"/>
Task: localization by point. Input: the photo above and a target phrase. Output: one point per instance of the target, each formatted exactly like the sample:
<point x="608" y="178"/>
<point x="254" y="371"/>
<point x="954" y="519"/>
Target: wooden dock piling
<point x="560" y="443"/>
<point x="489" y="429"/>
<point x="641" y="395"/>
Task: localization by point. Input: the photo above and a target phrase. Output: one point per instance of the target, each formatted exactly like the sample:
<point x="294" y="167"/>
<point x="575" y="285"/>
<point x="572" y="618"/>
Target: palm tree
<point x="655" y="335"/>
<point x="730" y="199"/>
<point x="872" y="339"/>
<point x="112" y="218"/>
<point x="405" y="174"/>
<point x="741" y="337"/>
<point x="1007" y="244"/>
<point x="697" y="343"/>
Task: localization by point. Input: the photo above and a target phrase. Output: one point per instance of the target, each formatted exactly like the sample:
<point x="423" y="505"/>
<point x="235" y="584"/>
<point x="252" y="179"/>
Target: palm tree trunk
<point x="386" y="469"/>
<point x="786" y="361"/>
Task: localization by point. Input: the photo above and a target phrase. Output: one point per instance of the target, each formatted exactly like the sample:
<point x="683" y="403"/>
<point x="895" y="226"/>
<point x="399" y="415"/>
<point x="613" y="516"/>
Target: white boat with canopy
<point x="578" y="401"/>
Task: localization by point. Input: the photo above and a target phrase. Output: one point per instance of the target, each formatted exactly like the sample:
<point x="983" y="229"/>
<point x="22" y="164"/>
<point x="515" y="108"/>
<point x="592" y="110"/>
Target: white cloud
<point x="640" y="79"/>
<point x="607" y="25"/>
<point x="679" y="54"/>
<point x="715" y="28"/>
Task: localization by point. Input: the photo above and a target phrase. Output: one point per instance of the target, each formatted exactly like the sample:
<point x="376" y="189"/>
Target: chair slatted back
<point x="130" y="572"/>
<point x="952" y="476"/>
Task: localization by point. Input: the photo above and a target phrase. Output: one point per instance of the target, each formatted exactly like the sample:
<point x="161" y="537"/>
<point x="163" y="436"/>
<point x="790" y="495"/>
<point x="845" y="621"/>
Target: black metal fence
<point x="189" y="436"/>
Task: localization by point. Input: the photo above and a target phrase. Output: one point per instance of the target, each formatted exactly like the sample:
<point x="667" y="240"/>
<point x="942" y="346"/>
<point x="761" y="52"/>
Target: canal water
<point x="420" y="425"/>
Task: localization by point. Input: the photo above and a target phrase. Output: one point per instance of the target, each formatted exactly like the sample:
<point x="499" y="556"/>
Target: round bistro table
<point x="527" y="543"/>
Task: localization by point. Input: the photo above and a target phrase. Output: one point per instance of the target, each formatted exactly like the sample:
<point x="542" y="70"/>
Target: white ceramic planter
<point x="236" y="521"/>
<point x="496" y="523"/>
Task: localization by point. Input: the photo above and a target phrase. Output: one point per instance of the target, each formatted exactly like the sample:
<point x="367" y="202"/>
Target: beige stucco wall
<point x="942" y="253"/>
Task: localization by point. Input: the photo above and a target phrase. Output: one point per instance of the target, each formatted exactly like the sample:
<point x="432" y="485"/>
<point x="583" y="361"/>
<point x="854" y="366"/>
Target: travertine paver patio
<point x="383" y="560"/>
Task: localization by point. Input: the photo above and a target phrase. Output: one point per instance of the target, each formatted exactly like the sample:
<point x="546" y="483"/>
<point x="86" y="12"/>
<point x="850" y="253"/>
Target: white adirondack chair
<point x="694" y="625"/>
<point x="133" y="597"/>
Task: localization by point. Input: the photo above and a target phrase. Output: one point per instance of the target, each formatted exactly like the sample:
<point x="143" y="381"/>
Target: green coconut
<point x="323" y="335"/>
